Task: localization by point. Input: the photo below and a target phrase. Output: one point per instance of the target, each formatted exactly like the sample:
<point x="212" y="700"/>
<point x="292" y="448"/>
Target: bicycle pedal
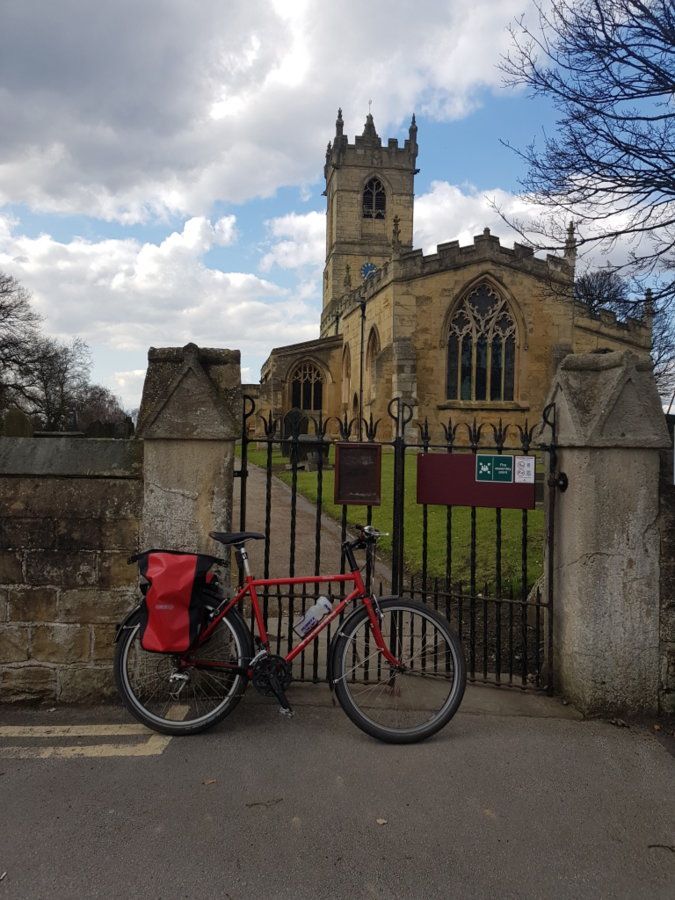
<point x="286" y="711"/>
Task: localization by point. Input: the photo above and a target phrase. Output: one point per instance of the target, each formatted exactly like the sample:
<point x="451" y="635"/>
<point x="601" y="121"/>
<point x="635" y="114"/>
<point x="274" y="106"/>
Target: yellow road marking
<point x="152" y="747"/>
<point x="38" y="731"/>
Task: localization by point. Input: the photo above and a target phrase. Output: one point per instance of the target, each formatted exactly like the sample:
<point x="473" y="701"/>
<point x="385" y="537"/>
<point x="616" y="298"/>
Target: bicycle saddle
<point x="236" y="537"/>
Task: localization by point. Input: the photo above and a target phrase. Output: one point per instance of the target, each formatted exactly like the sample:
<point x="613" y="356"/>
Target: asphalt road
<point x="516" y="804"/>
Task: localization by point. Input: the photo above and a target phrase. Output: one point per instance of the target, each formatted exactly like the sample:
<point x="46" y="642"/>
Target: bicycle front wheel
<point x="410" y="702"/>
<point x="185" y="694"/>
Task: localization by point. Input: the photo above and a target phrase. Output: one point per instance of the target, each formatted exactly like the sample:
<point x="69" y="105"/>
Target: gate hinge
<point x="561" y="481"/>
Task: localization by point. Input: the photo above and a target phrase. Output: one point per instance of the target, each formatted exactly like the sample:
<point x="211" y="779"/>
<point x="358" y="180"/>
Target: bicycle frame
<point x="249" y="588"/>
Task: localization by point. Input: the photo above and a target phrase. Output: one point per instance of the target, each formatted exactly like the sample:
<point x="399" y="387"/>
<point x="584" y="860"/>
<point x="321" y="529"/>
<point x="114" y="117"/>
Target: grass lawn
<point x="461" y="525"/>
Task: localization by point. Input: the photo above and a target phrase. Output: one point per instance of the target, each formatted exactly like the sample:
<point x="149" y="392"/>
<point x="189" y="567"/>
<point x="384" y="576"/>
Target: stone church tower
<point x="370" y="192"/>
<point x="461" y="334"/>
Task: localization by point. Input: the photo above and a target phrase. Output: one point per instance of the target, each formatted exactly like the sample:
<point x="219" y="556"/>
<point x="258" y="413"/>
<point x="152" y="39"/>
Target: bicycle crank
<point x="271" y="677"/>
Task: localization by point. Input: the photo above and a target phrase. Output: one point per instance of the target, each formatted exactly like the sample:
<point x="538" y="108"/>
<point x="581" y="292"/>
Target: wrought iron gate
<point x="483" y="568"/>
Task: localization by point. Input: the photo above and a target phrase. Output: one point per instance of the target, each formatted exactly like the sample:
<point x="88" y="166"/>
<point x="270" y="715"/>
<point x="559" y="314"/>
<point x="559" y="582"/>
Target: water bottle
<point x="313" y="616"/>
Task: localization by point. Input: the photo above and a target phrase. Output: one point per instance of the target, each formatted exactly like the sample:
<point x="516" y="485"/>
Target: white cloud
<point x="128" y="386"/>
<point x="449" y="212"/>
<point x="298" y="240"/>
<point x="129" y="111"/>
<point x="126" y="296"/>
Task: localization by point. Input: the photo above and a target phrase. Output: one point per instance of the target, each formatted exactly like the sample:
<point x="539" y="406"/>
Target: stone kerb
<point x="610" y="429"/>
<point x="189" y="420"/>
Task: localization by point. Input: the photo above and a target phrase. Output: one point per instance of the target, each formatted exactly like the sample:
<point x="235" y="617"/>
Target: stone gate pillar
<point x="606" y="555"/>
<point x="189" y="420"/>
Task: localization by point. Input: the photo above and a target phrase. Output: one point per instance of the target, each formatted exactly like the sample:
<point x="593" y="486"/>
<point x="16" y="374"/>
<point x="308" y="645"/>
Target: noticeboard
<point x="358" y="469"/>
<point x="462" y="479"/>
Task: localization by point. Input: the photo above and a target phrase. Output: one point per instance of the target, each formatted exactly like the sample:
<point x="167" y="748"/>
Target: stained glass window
<point x="307" y="387"/>
<point x="481" y="348"/>
<point x="374" y="200"/>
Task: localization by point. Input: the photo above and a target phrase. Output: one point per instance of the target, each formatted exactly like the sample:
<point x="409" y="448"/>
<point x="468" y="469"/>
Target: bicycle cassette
<point x="271" y="667"/>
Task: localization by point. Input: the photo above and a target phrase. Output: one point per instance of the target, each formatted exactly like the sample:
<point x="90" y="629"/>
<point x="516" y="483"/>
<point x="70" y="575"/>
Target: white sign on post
<point x="524" y="470"/>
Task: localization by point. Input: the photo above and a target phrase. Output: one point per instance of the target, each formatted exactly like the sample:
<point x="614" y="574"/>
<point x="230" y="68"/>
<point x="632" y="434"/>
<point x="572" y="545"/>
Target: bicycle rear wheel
<point x="413" y="701"/>
<point x="186" y="694"/>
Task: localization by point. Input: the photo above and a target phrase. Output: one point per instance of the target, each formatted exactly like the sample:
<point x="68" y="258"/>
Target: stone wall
<point x="71" y="517"/>
<point x="667" y="609"/>
<point x="74" y="509"/>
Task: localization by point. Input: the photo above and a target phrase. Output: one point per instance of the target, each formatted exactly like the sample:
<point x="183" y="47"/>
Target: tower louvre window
<point x="481" y="348"/>
<point x="374" y="200"/>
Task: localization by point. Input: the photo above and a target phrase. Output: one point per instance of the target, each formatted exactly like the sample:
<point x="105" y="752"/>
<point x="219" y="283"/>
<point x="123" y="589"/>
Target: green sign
<point x="494" y="468"/>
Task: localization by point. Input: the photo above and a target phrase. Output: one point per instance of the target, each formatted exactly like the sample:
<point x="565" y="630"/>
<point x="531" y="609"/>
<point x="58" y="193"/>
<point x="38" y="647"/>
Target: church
<point x="468" y="332"/>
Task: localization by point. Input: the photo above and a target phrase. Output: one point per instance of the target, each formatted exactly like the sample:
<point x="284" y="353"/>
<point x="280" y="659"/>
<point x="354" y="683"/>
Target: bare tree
<point x="602" y="289"/>
<point x="663" y="352"/>
<point x="18" y="333"/>
<point x="608" y="66"/>
<point x="45" y="378"/>
<point x="54" y="381"/>
<point x="605" y="289"/>
<point x="96" y="403"/>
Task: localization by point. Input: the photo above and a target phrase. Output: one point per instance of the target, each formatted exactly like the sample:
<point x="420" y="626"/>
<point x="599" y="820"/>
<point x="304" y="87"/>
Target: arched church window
<point x="372" y="351"/>
<point x="374" y="200"/>
<point x="307" y="387"/>
<point x="481" y="348"/>
<point x="346" y="375"/>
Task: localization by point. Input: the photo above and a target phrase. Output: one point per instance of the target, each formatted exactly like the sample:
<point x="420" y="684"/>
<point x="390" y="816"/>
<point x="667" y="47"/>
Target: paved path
<point x="525" y="802"/>
<point x="280" y="534"/>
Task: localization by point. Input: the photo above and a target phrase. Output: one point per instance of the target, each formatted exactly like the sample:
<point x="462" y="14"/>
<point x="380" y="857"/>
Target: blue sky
<point x="161" y="164"/>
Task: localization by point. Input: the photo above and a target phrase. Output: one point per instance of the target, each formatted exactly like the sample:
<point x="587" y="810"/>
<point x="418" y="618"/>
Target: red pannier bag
<point x="175" y="607"/>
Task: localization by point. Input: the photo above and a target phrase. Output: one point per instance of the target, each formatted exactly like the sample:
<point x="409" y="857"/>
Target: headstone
<point x="17" y="424"/>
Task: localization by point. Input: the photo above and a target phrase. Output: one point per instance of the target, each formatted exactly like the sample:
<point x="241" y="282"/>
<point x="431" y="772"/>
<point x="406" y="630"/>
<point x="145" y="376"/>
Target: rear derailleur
<point x="271" y="677"/>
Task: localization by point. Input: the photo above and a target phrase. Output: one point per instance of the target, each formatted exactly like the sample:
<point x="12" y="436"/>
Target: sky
<point x="161" y="163"/>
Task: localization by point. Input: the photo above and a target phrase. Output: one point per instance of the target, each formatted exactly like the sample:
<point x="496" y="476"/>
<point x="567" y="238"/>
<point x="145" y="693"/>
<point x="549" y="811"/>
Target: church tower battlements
<point x="368" y="185"/>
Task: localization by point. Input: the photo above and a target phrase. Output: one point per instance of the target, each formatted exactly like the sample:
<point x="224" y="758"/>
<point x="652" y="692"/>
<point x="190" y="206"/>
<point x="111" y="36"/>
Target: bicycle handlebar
<point x="367" y="534"/>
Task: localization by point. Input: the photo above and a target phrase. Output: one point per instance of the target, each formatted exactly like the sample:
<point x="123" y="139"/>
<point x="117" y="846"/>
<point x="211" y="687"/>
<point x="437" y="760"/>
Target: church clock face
<point x="367" y="269"/>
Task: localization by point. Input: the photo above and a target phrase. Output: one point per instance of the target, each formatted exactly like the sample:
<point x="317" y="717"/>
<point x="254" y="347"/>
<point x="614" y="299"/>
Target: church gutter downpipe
<point x="363" y="330"/>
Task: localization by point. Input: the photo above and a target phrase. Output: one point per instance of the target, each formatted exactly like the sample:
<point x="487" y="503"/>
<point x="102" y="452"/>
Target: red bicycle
<point x="397" y="669"/>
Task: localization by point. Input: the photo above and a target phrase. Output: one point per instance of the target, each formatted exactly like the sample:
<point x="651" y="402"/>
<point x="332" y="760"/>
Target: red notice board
<point x="358" y="470"/>
<point x="449" y="479"/>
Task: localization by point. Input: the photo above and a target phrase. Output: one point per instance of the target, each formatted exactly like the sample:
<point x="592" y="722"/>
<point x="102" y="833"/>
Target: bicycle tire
<point x="430" y="689"/>
<point x="230" y="631"/>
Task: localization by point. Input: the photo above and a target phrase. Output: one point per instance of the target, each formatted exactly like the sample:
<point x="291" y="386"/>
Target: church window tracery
<point x="374" y="200"/>
<point x="481" y="348"/>
<point x="307" y="387"/>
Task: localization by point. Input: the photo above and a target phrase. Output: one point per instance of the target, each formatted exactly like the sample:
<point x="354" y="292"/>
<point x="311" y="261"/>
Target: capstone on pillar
<point x="189" y="420"/>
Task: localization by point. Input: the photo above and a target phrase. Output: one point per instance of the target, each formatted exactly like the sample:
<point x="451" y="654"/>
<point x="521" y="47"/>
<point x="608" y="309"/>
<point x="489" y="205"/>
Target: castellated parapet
<point x="486" y="248"/>
<point x="368" y="149"/>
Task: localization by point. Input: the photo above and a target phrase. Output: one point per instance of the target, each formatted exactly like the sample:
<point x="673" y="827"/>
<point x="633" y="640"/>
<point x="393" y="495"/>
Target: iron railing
<point x="497" y="609"/>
